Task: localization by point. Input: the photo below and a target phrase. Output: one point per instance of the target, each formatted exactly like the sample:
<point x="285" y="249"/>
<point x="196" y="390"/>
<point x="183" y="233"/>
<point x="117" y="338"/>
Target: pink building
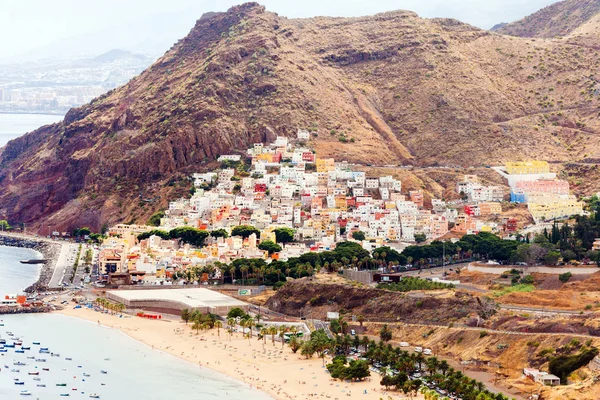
<point x="544" y="186"/>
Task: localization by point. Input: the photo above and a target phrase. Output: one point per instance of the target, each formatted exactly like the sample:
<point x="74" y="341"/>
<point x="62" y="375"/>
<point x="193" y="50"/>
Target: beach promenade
<point x="266" y="366"/>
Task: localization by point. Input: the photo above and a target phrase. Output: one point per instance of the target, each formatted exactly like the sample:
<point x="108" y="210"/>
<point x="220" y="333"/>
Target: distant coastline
<point x="49" y="251"/>
<point x="44" y="112"/>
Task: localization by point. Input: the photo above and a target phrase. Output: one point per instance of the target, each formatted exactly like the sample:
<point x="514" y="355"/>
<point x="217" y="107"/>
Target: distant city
<point x="55" y="86"/>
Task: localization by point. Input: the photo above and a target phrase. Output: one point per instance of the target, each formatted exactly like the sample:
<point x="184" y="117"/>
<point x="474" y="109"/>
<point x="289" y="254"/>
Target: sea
<point x="14" y="125"/>
<point x="133" y="370"/>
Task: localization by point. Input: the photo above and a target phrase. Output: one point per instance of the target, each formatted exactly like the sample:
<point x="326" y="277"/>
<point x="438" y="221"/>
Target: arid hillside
<point x="558" y="19"/>
<point x="391" y="88"/>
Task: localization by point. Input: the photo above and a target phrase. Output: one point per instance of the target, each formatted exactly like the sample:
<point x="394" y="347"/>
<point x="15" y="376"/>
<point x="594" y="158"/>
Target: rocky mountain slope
<point x="558" y="19"/>
<point x="386" y="89"/>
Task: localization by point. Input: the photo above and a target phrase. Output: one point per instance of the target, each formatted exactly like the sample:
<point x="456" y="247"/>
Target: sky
<point x="35" y="29"/>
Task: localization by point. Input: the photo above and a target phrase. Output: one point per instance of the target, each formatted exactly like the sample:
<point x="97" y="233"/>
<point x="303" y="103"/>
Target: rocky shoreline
<point x="50" y="251"/>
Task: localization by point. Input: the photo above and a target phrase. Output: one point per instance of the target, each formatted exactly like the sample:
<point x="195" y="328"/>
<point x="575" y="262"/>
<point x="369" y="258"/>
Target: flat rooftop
<point x="190" y="298"/>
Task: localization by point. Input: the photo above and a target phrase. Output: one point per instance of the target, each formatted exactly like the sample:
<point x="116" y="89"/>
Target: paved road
<point x="64" y="265"/>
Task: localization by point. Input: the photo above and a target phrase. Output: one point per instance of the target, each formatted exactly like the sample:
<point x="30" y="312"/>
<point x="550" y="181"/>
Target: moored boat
<point x="94" y="396"/>
<point x="25" y="393"/>
<point x="61" y="384"/>
<point x="41" y="385"/>
<point x="19" y="383"/>
<point x="36" y="343"/>
<point x="103" y="372"/>
<point x="34" y="372"/>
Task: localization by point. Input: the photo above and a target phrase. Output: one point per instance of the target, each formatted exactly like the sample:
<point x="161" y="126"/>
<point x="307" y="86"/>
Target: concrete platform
<point x="201" y="299"/>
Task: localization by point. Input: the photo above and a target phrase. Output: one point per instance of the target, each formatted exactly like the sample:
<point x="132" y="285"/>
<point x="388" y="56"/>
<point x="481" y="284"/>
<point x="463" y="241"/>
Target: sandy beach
<point x="267" y="367"/>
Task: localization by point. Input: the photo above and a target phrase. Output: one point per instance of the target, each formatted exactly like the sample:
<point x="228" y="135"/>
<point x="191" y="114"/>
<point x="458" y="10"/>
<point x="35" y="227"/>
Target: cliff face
<point x="393" y="87"/>
<point x="558" y="19"/>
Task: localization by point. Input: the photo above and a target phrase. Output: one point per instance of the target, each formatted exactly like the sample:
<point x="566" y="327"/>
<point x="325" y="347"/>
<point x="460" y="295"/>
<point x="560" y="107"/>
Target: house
<point x="229" y="157"/>
<point x="541" y="377"/>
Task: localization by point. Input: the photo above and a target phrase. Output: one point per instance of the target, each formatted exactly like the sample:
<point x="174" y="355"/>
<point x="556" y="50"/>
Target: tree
<point x="420" y="237"/>
<point x="236" y="312"/>
<point x="154" y="220"/>
<point x="218" y="325"/>
<point x="190" y="235"/>
<point x="4" y="226"/>
<point x="385" y="334"/>
<point x="185" y="315"/>
<point x="155" y="232"/>
<point x="295" y="343"/>
<point x="245" y="231"/>
<point x="219" y="233"/>
<point x="82" y="232"/>
<point x="358" y="235"/>
<point x="270" y="246"/>
<point x="307" y="349"/>
<point x="284" y="235"/>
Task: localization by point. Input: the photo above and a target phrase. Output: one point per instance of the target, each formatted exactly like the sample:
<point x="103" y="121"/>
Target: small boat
<point x="19" y="351"/>
<point x="44" y="351"/>
<point x="45" y="369"/>
<point x="44" y="348"/>
<point x="103" y="384"/>
<point x="94" y="396"/>
<point x="86" y="374"/>
<point x="19" y="383"/>
<point x="25" y="348"/>
<point x="64" y="394"/>
<point x="25" y="393"/>
<point x="61" y="384"/>
<point x="55" y="354"/>
<point x="74" y="389"/>
<point x="107" y="359"/>
<point x="68" y="359"/>
<point x="12" y="346"/>
<point x="18" y="343"/>
<point x="3" y="351"/>
<point x="36" y="343"/>
<point x="31" y="357"/>
<point x="2" y="341"/>
<point x="41" y="385"/>
<point x="40" y="359"/>
<point x="37" y="378"/>
<point x="15" y="370"/>
<point x="34" y="373"/>
<point x="103" y="372"/>
<point x="18" y="363"/>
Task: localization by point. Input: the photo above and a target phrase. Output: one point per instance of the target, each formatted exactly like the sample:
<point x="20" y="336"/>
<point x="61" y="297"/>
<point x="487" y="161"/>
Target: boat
<point x="41" y="385"/>
<point x="2" y="341"/>
<point x="55" y="354"/>
<point x="44" y="348"/>
<point x="19" y="383"/>
<point x="34" y="373"/>
<point x="40" y="359"/>
<point x="86" y="374"/>
<point x="45" y="369"/>
<point x="19" y="351"/>
<point x="18" y="363"/>
<point x="3" y="351"/>
<point x="18" y="343"/>
<point x="35" y="261"/>
<point x="65" y="394"/>
<point x="25" y="348"/>
<point x="9" y="345"/>
<point x="36" y="343"/>
<point x="31" y="357"/>
<point x="15" y="370"/>
<point x="61" y="384"/>
<point x="94" y="396"/>
<point x="44" y="351"/>
<point x="37" y="378"/>
<point x="68" y="359"/>
<point x="103" y="372"/>
<point x="25" y="393"/>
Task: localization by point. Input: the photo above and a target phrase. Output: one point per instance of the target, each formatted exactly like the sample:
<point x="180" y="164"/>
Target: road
<point x="64" y="265"/>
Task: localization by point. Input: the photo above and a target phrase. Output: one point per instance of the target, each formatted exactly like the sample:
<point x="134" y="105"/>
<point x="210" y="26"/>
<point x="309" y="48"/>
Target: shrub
<point x="482" y="334"/>
<point x="564" y="278"/>
<point x="563" y="366"/>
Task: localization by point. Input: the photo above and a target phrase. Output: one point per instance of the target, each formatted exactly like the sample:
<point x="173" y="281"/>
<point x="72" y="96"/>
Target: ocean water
<point x="134" y="370"/>
<point x="14" y="276"/>
<point x="15" y="125"/>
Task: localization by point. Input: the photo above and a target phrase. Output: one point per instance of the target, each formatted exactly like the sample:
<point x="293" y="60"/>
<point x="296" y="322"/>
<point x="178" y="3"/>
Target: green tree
<point x="219" y="233"/>
<point x="154" y="220"/>
<point x="245" y="231"/>
<point x="185" y="315"/>
<point x="270" y="246"/>
<point x="284" y="235"/>
<point x="420" y="237"/>
<point x="358" y="235"/>
<point x="188" y="234"/>
<point x="385" y="334"/>
<point x="4" y="226"/>
<point x="236" y="312"/>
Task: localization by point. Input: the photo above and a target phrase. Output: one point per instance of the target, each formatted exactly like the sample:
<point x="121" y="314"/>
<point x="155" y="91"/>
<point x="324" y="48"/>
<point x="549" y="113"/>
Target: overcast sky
<point x="65" y="28"/>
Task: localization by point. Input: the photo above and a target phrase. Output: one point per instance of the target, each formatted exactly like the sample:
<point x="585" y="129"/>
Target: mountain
<point x="117" y="54"/>
<point x="391" y="88"/>
<point x="558" y="19"/>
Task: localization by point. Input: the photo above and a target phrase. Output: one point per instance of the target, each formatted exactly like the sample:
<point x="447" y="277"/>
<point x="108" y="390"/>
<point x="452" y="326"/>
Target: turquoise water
<point x="15" y="125"/>
<point x="134" y="370"/>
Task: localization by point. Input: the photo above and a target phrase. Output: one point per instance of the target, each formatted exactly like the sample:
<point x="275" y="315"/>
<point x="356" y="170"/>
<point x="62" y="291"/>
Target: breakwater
<point x="25" y="310"/>
<point x="49" y="250"/>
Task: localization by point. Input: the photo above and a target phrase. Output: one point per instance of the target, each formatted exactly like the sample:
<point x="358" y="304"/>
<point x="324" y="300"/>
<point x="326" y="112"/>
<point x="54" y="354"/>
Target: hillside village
<point x="280" y="201"/>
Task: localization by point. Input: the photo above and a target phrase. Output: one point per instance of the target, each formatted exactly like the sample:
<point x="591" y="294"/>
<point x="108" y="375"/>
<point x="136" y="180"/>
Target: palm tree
<point x="218" y="325"/>
<point x="185" y="315"/>
<point x="444" y="367"/>
<point x="244" y="268"/>
<point x="282" y="330"/>
<point x="360" y="319"/>
<point x="272" y="331"/>
<point x="263" y="334"/>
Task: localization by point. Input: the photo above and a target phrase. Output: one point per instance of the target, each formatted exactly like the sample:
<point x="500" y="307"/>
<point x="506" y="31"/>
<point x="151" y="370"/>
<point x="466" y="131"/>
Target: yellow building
<point x="325" y="164"/>
<point x="560" y="208"/>
<point x="527" y="167"/>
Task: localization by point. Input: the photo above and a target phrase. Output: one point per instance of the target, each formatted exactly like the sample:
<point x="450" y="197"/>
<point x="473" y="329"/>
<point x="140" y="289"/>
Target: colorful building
<point x="527" y="167"/>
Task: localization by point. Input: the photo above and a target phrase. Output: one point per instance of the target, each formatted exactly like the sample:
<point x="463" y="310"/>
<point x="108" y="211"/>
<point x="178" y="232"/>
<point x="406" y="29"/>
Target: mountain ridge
<point x="391" y="88"/>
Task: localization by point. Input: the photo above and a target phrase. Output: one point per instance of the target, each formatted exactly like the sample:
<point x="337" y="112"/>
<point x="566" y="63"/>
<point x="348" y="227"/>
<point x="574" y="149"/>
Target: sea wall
<point x="49" y="250"/>
<point x="500" y="269"/>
